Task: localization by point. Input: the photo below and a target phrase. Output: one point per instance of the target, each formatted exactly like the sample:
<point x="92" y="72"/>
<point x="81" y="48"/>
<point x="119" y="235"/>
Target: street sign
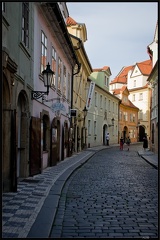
<point x="57" y="107"/>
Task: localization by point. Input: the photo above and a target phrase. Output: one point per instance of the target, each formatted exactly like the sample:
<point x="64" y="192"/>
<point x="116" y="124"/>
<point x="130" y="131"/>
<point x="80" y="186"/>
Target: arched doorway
<point x="104" y="134"/>
<point x="22" y="126"/>
<point x="8" y="147"/>
<point x="46" y="140"/>
<point x="141" y="133"/>
<point x="55" y="141"/>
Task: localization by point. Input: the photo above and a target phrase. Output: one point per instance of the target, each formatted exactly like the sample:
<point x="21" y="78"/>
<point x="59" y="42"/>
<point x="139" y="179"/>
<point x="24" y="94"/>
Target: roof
<point x="129" y="104"/>
<point x="122" y="77"/>
<point x="119" y="90"/>
<point x="105" y="68"/>
<point x="145" y="67"/>
<point x="71" y="21"/>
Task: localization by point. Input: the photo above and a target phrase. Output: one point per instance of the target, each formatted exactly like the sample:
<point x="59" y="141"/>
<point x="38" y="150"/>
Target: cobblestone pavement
<point x="20" y="209"/>
<point x="113" y="195"/>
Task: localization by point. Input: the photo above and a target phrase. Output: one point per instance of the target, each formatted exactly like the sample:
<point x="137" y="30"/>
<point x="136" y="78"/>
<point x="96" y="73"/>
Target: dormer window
<point x="106" y="81"/>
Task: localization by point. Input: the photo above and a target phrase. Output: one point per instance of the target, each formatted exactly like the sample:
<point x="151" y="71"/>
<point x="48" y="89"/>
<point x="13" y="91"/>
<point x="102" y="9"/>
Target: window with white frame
<point x="69" y="87"/>
<point x="140" y="96"/>
<point x="133" y="97"/>
<point x="95" y="128"/>
<point x="95" y="98"/>
<point x="43" y="51"/>
<point x="134" y="83"/>
<point x="106" y="81"/>
<point x="125" y="116"/>
<point x="134" y="117"/>
<point x="131" y="117"/>
<point x="59" y="73"/>
<point x="25" y="23"/>
<point x="89" y="127"/>
<point x="140" y="114"/>
<point x="120" y="115"/>
<point x="54" y="64"/>
<point x="64" y="81"/>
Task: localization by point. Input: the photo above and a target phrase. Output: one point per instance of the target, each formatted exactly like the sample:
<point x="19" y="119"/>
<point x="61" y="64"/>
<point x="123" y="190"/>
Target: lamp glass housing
<point x="48" y="76"/>
<point x="85" y="111"/>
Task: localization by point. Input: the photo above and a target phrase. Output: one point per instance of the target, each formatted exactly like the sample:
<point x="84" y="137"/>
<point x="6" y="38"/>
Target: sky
<point x="117" y="33"/>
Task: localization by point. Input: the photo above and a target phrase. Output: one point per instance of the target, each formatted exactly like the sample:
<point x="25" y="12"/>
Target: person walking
<point x="128" y="141"/>
<point x="107" y="139"/>
<point x="121" y="143"/>
<point x="145" y="143"/>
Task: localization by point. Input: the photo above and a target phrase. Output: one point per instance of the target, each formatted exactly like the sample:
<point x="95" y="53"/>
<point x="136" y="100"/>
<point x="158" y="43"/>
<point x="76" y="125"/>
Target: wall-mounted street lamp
<point x="47" y="75"/>
<point x="110" y="125"/>
<point x="84" y="114"/>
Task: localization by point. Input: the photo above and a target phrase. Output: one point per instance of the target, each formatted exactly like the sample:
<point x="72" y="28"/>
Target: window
<point x="44" y="51"/>
<point x="64" y="81"/>
<point x="59" y="74"/>
<point x="113" y="107"/>
<point x="3" y="6"/>
<point x="133" y="97"/>
<point x="134" y="84"/>
<point x="120" y="116"/>
<point x="109" y="105"/>
<point x="25" y="23"/>
<point x="54" y="64"/>
<point x="125" y="116"/>
<point x="140" y="114"/>
<point x="69" y="87"/>
<point x="134" y="117"/>
<point x="100" y="101"/>
<point x="105" y="103"/>
<point x="95" y="95"/>
<point x="131" y="117"/>
<point x="141" y="96"/>
<point x="106" y="81"/>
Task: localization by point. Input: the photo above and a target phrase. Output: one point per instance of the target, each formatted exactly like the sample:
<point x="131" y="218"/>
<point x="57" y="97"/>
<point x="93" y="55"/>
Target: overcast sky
<point x="118" y="33"/>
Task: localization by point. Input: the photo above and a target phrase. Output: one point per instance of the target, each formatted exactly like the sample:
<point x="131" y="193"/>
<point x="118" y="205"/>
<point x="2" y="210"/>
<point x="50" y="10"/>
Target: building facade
<point x="36" y="123"/>
<point x="153" y="81"/>
<point x="17" y="65"/>
<point x="50" y="119"/>
<point x="103" y="113"/>
<point x="135" y="78"/>
<point x="78" y="34"/>
<point x="128" y="116"/>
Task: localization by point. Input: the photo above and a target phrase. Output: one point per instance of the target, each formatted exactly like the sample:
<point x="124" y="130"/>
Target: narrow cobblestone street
<point x="113" y="195"/>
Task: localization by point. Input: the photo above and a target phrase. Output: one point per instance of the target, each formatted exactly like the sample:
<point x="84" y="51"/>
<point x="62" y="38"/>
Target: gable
<point x="136" y="72"/>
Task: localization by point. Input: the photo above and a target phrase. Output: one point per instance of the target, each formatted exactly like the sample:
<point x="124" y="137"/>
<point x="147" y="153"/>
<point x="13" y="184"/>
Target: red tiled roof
<point x="129" y="104"/>
<point x="70" y="21"/>
<point x="122" y="77"/>
<point x="100" y="69"/>
<point x="145" y="67"/>
<point x="119" y="90"/>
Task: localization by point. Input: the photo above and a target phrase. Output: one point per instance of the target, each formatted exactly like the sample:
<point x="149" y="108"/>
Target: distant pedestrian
<point x="128" y="141"/>
<point x="107" y="139"/>
<point x="121" y="143"/>
<point x="145" y="142"/>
